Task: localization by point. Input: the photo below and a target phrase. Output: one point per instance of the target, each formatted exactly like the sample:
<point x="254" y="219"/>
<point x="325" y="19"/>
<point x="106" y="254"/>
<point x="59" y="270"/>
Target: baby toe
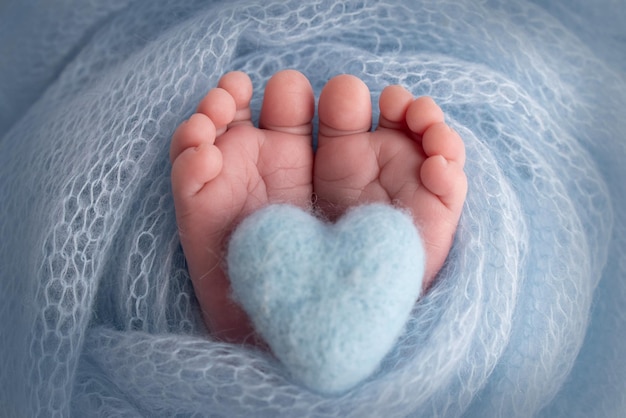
<point x="445" y="180"/>
<point x="422" y="113"/>
<point x="288" y="103"/>
<point x="239" y="86"/>
<point x="193" y="169"/>
<point x="440" y="139"/>
<point x="192" y="133"/>
<point x="220" y="106"/>
<point x="393" y="103"/>
<point x="345" y="107"/>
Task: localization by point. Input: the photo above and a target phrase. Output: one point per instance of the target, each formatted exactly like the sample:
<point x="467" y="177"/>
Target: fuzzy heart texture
<point x="329" y="299"/>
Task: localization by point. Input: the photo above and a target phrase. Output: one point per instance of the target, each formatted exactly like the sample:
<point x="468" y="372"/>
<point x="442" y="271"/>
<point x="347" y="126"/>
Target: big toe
<point x="345" y="107"/>
<point x="288" y="104"/>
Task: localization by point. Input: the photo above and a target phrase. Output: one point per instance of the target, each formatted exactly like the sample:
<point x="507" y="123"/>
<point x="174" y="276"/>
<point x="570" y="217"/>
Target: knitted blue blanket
<point x="97" y="314"/>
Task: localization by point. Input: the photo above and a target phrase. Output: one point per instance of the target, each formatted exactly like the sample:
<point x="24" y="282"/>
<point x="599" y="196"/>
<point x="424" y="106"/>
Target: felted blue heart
<point x="329" y="299"/>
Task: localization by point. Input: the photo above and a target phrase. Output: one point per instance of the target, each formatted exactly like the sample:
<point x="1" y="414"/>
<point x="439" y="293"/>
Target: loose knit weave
<point x="97" y="314"/>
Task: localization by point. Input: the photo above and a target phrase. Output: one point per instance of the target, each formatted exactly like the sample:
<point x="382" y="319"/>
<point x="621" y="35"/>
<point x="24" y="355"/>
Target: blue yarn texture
<point x="330" y="300"/>
<point x="97" y="314"/>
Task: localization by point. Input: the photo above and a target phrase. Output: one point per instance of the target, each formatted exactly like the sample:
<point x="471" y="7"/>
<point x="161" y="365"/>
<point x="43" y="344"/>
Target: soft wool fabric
<point x="97" y="315"/>
<point x="329" y="299"/>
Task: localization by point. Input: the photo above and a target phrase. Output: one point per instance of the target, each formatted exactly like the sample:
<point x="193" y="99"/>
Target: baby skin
<point x="225" y="168"/>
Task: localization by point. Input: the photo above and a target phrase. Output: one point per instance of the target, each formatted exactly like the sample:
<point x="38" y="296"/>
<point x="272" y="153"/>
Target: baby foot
<point x="224" y="168"/>
<point x="413" y="160"/>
